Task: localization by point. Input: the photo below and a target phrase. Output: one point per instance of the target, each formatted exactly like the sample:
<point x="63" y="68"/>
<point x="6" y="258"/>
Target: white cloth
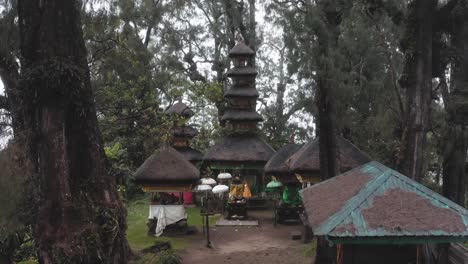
<point x="166" y="215"/>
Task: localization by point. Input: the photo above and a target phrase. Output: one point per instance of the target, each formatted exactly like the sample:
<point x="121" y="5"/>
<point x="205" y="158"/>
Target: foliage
<point x="169" y="257"/>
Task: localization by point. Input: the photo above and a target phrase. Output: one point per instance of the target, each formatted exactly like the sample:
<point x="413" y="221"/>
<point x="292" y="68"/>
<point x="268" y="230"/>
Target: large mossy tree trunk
<point x="327" y="40"/>
<point x="79" y="217"/>
<point x="417" y="80"/>
<point x="455" y="103"/>
<point x="325" y="99"/>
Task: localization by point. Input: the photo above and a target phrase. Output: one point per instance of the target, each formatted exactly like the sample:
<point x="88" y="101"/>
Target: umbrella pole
<point x="203" y="222"/>
<point x="208" y="242"/>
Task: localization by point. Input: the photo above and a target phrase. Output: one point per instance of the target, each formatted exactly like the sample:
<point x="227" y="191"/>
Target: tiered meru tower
<point x="183" y="133"/>
<point x="240" y="150"/>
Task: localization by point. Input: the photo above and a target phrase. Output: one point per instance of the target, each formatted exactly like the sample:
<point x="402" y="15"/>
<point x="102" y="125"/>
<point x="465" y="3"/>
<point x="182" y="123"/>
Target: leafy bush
<point x="169" y="257"/>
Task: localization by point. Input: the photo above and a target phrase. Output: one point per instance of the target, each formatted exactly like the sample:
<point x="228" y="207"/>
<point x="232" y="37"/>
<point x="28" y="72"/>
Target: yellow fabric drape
<point x="237" y="191"/>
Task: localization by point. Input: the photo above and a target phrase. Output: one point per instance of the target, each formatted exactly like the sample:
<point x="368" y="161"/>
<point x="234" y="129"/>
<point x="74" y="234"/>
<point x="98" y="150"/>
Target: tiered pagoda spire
<point x="240" y="146"/>
<point x="182" y="134"/>
<point x="240" y="115"/>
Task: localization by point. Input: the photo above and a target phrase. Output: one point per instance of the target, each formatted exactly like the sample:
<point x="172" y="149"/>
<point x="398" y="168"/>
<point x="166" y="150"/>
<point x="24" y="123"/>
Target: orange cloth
<point x="247" y="193"/>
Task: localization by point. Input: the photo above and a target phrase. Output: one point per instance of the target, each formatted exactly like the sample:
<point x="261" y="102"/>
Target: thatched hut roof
<point x="240" y="149"/>
<point x="307" y="158"/>
<point x="166" y="166"/>
<point x="240" y="49"/>
<point x="180" y="109"/>
<point x="241" y="115"/>
<point x="277" y="165"/>
<point x="190" y="154"/>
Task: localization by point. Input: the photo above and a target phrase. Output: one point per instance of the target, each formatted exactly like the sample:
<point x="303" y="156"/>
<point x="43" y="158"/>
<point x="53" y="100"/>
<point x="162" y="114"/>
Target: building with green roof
<point x="374" y="214"/>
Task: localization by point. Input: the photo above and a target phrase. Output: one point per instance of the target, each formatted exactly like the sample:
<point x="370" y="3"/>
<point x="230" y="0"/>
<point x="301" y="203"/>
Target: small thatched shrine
<point x="373" y="214"/>
<point x="240" y="149"/>
<point x="167" y="171"/>
<point x="305" y="163"/>
<point x="278" y="167"/>
<point x="182" y="133"/>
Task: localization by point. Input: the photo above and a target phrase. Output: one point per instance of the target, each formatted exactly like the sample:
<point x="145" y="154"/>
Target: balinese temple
<point x="240" y="150"/>
<point x="167" y="171"/>
<point x="278" y="167"/>
<point x="305" y="163"/>
<point x="183" y="133"/>
<point x="373" y="214"/>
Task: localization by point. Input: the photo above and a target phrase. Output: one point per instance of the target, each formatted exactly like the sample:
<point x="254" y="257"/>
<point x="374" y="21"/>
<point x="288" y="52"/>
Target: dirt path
<point x="242" y="244"/>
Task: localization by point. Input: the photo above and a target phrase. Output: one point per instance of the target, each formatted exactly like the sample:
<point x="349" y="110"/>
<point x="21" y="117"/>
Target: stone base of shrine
<point x="224" y="222"/>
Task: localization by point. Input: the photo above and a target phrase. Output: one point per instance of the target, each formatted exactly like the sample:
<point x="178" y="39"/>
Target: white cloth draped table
<point x="166" y="215"/>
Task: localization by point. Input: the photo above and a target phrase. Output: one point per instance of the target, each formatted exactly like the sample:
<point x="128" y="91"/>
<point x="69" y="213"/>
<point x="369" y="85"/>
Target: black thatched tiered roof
<point x="180" y="108"/>
<point x="241" y="144"/>
<point x="181" y="134"/>
<point x="240" y="149"/>
<point x="234" y="114"/>
<point x="166" y="166"/>
<point x="278" y="165"/>
<point x="307" y="159"/>
<point x="242" y="91"/>
<point x="190" y="154"/>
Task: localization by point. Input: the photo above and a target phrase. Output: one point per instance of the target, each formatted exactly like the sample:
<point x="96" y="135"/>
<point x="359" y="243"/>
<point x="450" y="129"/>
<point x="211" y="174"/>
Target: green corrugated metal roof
<point x="352" y="222"/>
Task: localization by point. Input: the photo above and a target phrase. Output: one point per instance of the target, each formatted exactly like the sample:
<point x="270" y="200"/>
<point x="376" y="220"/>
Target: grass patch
<point x="136" y="222"/>
<point x="311" y="249"/>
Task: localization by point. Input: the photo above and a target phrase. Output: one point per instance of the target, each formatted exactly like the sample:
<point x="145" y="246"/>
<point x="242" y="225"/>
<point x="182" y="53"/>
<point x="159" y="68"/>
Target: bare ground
<point x="242" y="244"/>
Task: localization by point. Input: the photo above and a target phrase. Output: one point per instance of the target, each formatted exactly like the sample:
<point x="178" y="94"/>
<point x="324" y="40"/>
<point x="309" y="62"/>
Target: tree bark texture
<point x="417" y="80"/>
<point x="454" y="157"/>
<point x="79" y="217"/>
<point x="325" y="96"/>
<point x="456" y="139"/>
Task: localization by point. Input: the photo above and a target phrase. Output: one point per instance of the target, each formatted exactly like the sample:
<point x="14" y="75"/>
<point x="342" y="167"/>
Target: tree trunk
<point x="417" y="81"/>
<point x="325" y="97"/>
<point x="79" y="217"/>
<point x="456" y="140"/>
<point x="455" y="147"/>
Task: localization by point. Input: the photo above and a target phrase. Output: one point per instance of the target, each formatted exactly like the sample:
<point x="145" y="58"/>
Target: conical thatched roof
<point x="190" y="154"/>
<point x="240" y="149"/>
<point x="278" y="165"/>
<point x="166" y="166"/>
<point x="180" y="109"/>
<point x="240" y="49"/>
<point x="307" y="159"/>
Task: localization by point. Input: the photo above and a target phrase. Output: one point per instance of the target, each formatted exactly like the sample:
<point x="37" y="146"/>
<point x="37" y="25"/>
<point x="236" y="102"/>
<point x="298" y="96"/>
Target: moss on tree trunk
<point x="79" y="217"/>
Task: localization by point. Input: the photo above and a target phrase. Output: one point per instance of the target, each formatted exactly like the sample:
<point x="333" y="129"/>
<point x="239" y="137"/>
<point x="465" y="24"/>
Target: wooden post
<point x="208" y="242"/>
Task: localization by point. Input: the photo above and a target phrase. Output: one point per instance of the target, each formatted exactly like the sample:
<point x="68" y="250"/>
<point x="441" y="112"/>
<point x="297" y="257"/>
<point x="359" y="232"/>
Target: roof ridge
<point x="439" y="197"/>
<point x="371" y="187"/>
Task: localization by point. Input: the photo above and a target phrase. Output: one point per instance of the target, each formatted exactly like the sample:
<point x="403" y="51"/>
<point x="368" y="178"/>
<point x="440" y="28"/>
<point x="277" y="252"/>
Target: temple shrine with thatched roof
<point x="167" y="171"/>
<point x="305" y="163"/>
<point x="240" y="149"/>
<point x="278" y="167"/>
<point x="373" y="214"/>
<point x="182" y="133"/>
